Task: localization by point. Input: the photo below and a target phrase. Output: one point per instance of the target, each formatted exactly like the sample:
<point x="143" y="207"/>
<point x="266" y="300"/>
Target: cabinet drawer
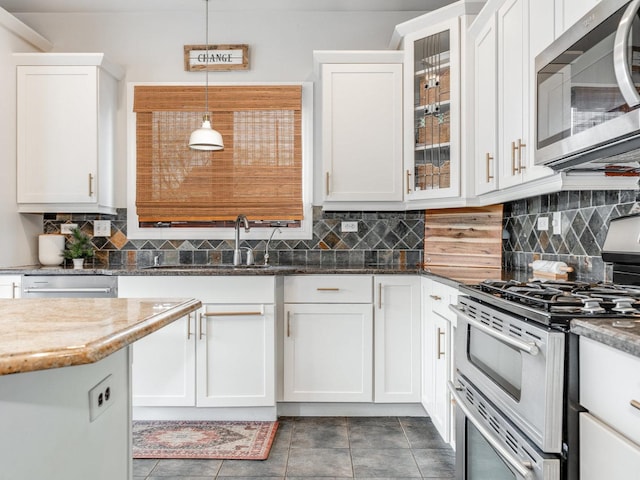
<point x="440" y="297"/>
<point x="328" y="289"/>
<point x="609" y="382"/>
<point x="208" y="289"/>
<point x="604" y="453"/>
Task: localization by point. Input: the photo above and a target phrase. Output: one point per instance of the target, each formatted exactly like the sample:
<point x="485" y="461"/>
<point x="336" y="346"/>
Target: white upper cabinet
<point x="66" y="113"/>
<point x="485" y="118"/>
<point x="432" y="111"/>
<point x="514" y="145"/>
<point x="361" y="98"/>
<point x="568" y="12"/>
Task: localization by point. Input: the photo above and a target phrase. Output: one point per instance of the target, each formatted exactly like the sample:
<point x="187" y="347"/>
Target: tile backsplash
<point x="585" y="216"/>
<point x="383" y="238"/>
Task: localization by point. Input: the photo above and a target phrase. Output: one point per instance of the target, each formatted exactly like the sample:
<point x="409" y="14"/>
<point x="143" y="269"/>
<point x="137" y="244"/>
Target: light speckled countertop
<point x="38" y="334"/>
<point x="623" y="334"/>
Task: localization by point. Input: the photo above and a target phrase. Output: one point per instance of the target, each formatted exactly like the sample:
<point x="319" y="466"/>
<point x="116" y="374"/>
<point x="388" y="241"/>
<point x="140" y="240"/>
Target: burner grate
<point x="564" y="297"/>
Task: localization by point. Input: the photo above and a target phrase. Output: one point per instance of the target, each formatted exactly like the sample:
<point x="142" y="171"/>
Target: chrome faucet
<point x="266" y="250"/>
<point x="237" y="252"/>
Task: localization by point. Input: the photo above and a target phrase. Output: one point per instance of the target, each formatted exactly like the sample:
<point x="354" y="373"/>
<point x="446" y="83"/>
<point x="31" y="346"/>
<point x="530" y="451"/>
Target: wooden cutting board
<point x="466" y="242"/>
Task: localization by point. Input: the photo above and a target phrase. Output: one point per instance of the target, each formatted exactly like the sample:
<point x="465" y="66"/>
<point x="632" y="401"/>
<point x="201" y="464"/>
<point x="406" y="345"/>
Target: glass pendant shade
<point x="205" y="137"/>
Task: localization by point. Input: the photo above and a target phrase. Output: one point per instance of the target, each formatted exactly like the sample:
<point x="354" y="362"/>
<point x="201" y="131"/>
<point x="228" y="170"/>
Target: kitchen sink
<point x="212" y="267"/>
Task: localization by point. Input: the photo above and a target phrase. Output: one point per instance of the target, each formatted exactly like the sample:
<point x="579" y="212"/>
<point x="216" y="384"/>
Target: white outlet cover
<point x="66" y="228"/>
<point x="543" y="223"/>
<point x="349" y="226"/>
<point x="100" y="398"/>
<point x="102" y="228"/>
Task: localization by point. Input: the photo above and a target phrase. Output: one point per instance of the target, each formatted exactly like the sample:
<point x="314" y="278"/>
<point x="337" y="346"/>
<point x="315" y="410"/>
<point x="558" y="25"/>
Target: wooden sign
<point x="220" y="57"/>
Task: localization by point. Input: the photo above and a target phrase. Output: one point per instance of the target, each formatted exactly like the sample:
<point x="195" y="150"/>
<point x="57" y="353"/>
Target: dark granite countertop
<point x="622" y="334"/>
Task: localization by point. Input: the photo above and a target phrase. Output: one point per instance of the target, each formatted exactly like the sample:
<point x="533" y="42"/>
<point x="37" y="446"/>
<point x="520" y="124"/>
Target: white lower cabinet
<point x="438" y="326"/>
<point x="236" y="355"/>
<point x="604" y="453"/>
<point x="10" y="286"/>
<point x="328" y="338"/>
<point x="397" y="339"/>
<point x="328" y="350"/>
<point x="610" y="431"/>
<point x="223" y="355"/>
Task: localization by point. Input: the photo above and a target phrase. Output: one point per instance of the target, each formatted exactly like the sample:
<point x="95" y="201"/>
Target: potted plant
<point x="78" y="248"/>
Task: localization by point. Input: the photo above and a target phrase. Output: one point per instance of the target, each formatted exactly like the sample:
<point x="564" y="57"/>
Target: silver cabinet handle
<point x="440" y="334"/>
<point x="189" y="327"/>
<point x="91" y="185"/>
<point x="523" y="468"/>
<point x="229" y="314"/>
<point x="621" y="56"/>
<point x="528" y="347"/>
<point x="68" y="290"/>
<point x="380" y="296"/>
<point x="635" y="404"/>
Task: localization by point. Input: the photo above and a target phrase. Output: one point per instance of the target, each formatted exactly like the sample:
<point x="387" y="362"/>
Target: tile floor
<point x="328" y="448"/>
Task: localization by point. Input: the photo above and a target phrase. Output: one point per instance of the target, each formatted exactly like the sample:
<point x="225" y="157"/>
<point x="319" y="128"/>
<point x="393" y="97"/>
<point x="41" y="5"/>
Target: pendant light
<point x="205" y="137"/>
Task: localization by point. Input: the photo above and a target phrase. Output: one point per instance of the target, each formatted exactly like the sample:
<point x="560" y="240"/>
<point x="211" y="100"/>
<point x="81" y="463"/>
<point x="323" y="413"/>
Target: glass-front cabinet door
<point x="432" y="100"/>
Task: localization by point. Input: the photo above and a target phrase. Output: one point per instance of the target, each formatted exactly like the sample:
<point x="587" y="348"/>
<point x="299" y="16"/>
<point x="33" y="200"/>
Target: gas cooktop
<point x="557" y="302"/>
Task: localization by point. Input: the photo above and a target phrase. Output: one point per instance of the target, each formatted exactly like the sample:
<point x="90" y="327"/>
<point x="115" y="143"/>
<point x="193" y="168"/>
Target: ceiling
<point x="93" y="6"/>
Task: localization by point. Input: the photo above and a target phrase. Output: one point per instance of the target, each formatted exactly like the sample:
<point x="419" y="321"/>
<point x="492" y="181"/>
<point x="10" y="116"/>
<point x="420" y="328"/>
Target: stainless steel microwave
<point x="587" y="100"/>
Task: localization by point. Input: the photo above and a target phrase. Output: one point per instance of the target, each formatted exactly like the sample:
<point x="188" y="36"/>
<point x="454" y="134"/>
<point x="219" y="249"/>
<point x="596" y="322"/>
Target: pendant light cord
<point x="206" y="63"/>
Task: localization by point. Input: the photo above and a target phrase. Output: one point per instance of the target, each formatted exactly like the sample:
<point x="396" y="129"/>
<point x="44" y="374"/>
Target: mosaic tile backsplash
<point x="585" y="217"/>
<point x="383" y="238"/>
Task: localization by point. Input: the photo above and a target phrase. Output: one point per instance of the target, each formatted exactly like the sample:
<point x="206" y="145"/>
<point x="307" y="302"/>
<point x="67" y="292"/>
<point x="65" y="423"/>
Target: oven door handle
<point x="523" y="468"/>
<point x="528" y="347"/>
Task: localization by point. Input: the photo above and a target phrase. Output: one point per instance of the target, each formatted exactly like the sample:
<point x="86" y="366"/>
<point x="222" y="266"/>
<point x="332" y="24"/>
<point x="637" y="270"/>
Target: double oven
<point x="516" y="387"/>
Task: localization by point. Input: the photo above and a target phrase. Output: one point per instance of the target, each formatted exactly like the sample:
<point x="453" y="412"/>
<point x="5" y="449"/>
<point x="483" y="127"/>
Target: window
<point x="259" y="173"/>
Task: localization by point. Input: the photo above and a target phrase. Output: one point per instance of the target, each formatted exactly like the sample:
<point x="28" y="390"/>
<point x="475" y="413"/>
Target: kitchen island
<point x="65" y="376"/>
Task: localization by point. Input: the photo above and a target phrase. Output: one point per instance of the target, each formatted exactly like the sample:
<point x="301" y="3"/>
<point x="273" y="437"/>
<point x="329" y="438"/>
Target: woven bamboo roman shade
<point x="258" y="174"/>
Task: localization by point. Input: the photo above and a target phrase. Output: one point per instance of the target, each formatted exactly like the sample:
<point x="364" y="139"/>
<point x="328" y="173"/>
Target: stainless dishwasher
<point x="69" y="286"/>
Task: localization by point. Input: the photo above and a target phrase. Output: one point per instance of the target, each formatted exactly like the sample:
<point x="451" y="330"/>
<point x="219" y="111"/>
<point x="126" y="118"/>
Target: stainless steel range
<point x="517" y="374"/>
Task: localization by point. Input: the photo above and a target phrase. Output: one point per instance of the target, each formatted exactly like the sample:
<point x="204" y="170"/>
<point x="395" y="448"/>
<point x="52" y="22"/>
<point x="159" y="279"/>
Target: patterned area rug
<point x="202" y="439"/>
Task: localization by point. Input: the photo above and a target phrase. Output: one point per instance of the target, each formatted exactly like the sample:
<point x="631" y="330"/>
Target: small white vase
<point x="50" y="247"/>
<point x="78" y="263"/>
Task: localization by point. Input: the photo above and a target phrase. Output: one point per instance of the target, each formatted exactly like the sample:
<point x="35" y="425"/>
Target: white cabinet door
<point x="432" y="140"/>
<point x="58" y="102"/>
<point x="236" y="356"/>
<point x="362" y="132"/>
<point x="10" y="286"/>
<point x="66" y="119"/>
<point x="513" y="91"/>
<point x="604" y="453"/>
<point x="163" y="372"/>
<point x="568" y="12"/>
<point x="234" y="352"/>
<point x="328" y="353"/>
<point x="437" y="361"/>
<point x="397" y="339"/>
<point x="485" y="111"/>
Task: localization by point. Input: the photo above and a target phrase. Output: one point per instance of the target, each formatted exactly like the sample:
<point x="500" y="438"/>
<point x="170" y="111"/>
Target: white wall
<point x="150" y="45"/>
<point x="18" y="233"/>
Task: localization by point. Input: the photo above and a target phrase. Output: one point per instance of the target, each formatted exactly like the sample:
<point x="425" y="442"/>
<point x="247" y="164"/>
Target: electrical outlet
<point x="102" y="228"/>
<point x="100" y="398"/>
<point x="349" y="226"/>
<point x="543" y="223"/>
<point x="556" y="223"/>
<point x="66" y="228"/>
